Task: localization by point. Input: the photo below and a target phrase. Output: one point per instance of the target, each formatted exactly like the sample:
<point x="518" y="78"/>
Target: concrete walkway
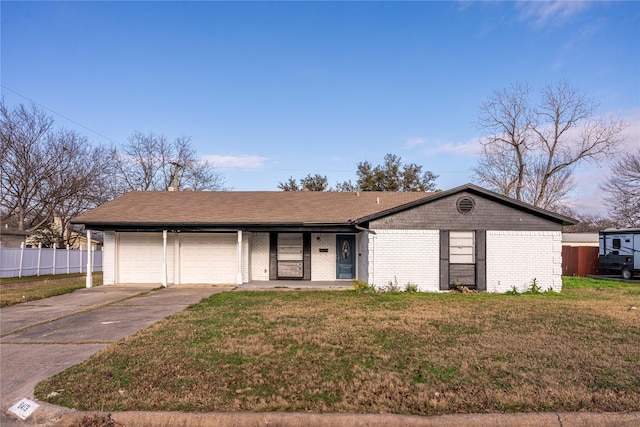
<point x="41" y="338"/>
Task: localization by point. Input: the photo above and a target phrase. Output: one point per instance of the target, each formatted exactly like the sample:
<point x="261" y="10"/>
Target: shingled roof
<point x="229" y="208"/>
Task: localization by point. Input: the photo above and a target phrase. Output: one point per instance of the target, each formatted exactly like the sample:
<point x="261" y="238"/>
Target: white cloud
<point x="469" y="148"/>
<point x="414" y="142"/>
<point x="542" y="13"/>
<point x="242" y="161"/>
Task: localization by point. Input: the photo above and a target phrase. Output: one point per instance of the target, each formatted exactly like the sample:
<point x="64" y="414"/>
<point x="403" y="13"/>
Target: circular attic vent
<point x="465" y="205"/>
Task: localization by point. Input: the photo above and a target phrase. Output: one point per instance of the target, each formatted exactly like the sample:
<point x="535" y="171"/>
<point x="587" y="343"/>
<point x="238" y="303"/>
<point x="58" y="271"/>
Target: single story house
<point x="12" y="237"/>
<point x="464" y="236"/>
<point x="581" y="239"/>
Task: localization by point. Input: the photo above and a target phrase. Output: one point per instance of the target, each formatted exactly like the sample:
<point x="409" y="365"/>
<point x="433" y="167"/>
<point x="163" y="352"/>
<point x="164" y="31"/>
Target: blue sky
<point x="269" y="90"/>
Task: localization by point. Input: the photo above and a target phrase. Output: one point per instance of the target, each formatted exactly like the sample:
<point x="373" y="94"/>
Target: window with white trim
<point x="290" y="255"/>
<point x="462" y="245"/>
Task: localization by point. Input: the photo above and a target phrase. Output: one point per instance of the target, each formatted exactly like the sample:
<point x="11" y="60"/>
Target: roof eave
<point x="213" y="226"/>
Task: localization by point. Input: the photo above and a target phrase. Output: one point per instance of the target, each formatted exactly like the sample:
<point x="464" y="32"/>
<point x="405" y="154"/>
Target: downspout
<point x="371" y="256"/>
<point x="373" y="261"/>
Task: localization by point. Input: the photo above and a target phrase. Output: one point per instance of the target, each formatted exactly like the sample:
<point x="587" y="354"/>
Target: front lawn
<point x="397" y="353"/>
<point x="24" y="289"/>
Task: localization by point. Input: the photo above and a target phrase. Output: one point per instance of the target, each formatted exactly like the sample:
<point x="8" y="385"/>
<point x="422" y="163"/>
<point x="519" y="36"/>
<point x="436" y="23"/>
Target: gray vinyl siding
<point x="487" y="214"/>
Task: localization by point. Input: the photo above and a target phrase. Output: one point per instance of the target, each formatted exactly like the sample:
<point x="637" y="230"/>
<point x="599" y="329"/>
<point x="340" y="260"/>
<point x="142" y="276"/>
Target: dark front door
<point x="345" y="257"/>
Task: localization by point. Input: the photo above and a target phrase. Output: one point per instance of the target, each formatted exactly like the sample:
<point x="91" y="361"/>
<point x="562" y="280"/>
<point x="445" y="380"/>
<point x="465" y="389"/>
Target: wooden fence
<point x="579" y="261"/>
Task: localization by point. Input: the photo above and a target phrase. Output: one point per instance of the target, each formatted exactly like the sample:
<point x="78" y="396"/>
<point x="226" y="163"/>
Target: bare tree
<point x="588" y="223"/>
<point x="149" y="162"/>
<point x="507" y="119"/>
<point x="530" y="150"/>
<point x="93" y="189"/>
<point x="139" y="164"/>
<point x="43" y="168"/>
<point x="622" y="188"/>
<point x="24" y="133"/>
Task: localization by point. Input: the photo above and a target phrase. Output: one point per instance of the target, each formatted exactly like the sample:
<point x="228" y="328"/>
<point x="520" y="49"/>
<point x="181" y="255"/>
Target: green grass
<point x="42" y="278"/>
<point x="577" y="283"/>
<point x="404" y="353"/>
<point x="18" y="290"/>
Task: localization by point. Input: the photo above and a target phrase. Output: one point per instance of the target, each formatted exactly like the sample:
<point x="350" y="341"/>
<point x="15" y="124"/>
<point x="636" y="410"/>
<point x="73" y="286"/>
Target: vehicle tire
<point x="626" y="274"/>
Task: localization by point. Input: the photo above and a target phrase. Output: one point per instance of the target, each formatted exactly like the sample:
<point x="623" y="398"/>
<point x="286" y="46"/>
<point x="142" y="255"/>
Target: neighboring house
<point x="580" y="239"/>
<point x="12" y="237"/>
<point x="467" y="235"/>
<point x="77" y="236"/>
<point x="79" y="239"/>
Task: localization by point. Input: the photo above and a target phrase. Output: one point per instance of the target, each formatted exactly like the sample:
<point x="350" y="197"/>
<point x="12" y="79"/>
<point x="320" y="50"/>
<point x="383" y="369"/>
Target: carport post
<point x="164" y="258"/>
<point x="239" y="275"/>
<point x="89" y="276"/>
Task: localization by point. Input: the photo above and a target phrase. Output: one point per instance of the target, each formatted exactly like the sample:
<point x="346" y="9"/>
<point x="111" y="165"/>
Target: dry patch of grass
<point x="394" y="353"/>
<point x="97" y="420"/>
<point x="24" y="289"/>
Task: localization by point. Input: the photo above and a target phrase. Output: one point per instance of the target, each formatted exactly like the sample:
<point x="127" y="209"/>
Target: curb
<point x="57" y="416"/>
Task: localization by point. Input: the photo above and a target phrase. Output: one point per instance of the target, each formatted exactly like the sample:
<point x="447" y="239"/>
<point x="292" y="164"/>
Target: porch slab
<point x="303" y="285"/>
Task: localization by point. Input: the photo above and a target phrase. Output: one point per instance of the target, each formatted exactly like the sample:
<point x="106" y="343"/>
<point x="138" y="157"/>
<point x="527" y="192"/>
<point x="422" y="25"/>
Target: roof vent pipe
<point x="377" y="200"/>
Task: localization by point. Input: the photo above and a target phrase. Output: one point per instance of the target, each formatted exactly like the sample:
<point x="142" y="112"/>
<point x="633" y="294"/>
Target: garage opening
<point x="209" y="258"/>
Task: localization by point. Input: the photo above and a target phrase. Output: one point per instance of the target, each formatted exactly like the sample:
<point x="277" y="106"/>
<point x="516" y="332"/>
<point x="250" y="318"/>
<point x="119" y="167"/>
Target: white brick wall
<point x="109" y="258"/>
<point x="406" y="255"/>
<point x="259" y="256"/>
<point x="515" y="258"/>
<point x="323" y="264"/>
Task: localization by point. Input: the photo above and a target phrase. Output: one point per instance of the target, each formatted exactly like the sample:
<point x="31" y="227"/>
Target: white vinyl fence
<point x="19" y="262"/>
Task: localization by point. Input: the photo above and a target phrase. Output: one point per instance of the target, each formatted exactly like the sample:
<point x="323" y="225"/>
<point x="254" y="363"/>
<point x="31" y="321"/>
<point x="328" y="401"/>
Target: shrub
<point x="392" y="286"/>
<point x="458" y="286"/>
<point x="411" y="288"/>
<point x="360" y="286"/>
<point x="513" y="291"/>
<point x="534" y="288"/>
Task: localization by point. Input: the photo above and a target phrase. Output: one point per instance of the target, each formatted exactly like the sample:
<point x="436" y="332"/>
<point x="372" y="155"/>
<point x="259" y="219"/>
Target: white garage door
<point x="140" y="258"/>
<point x="208" y="258"/>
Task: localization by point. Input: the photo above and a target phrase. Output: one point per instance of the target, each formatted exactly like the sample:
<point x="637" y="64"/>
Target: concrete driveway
<point x="41" y="338"/>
